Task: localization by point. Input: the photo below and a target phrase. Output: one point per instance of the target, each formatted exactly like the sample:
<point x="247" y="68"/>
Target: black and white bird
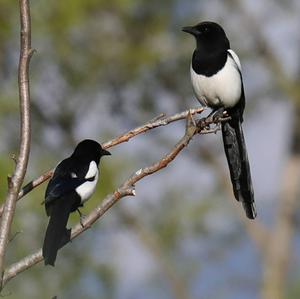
<point x="73" y="182"/>
<point x="217" y="82"/>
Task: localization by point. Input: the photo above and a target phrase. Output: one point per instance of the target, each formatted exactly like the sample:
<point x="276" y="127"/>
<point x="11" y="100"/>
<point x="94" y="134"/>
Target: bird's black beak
<point x="105" y="153"/>
<point x="190" y="29"/>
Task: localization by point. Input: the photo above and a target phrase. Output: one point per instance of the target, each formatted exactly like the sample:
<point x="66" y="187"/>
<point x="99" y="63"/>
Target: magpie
<point x="217" y="82"/>
<point x="73" y="182"/>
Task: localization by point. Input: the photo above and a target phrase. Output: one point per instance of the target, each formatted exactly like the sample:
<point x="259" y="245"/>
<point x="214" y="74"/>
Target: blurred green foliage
<point x="94" y="45"/>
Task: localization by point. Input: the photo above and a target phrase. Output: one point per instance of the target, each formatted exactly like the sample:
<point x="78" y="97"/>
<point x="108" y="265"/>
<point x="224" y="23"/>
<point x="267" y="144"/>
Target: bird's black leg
<point x="82" y="216"/>
<point x="213" y="117"/>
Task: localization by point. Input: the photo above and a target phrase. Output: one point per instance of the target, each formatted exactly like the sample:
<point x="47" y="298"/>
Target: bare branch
<point x="154" y="123"/>
<point x="21" y="266"/>
<point x="126" y="189"/>
<point x="160" y="120"/>
<point x="33" y="184"/>
<point x="16" y="180"/>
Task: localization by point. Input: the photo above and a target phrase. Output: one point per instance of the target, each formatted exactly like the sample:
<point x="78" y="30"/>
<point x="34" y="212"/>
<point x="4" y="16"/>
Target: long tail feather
<point x="237" y="158"/>
<point x="56" y="234"/>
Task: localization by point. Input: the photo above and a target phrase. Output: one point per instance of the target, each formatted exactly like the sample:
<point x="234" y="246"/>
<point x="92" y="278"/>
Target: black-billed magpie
<point x="73" y="182"/>
<point x="217" y="82"/>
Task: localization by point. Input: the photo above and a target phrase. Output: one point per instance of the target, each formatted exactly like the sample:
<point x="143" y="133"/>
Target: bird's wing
<point x="65" y="180"/>
<point x="61" y="186"/>
<point x="235" y="59"/>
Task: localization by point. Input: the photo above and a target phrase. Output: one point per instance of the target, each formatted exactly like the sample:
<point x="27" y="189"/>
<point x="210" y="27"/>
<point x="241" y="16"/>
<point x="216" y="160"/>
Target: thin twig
<point x="15" y="182"/>
<point x="156" y="122"/>
<point x="160" y="120"/>
<point x="126" y="189"/>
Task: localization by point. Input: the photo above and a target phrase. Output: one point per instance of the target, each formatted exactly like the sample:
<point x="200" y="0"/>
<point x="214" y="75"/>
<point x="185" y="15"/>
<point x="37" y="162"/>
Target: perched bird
<point x="73" y="182"/>
<point x="217" y="82"/>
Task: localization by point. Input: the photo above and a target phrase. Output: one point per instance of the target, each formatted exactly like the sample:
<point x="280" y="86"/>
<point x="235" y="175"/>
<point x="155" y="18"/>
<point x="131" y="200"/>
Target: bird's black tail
<point x="236" y="153"/>
<point x="57" y="234"/>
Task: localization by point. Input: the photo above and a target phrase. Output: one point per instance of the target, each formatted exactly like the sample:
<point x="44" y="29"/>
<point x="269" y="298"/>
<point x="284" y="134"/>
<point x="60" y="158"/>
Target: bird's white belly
<point x="221" y="89"/>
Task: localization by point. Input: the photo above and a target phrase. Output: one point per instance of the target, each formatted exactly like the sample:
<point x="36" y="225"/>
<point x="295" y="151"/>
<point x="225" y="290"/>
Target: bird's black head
<point x="210" y="36"/>
<point x="90" y="150"/>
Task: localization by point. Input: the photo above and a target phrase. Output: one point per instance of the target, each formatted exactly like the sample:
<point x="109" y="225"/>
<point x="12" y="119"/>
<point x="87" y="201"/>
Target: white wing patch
<point x="236" y="59"/>
<point x="87" y="189"/>
<point x="93" y="169"/>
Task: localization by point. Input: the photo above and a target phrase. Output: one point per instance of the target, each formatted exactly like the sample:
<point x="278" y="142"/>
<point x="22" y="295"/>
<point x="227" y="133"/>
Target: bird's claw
<point x="219" y="115"/>
<point x="216" y="116"/>
<point x="202" y="124"/>
<point x="82" y="218"/>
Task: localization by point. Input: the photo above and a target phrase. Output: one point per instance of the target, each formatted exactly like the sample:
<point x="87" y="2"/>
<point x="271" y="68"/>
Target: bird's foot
<point x="213" y="118"/>
<point x="220" y="115"/>
<point x="216" y="115"/>
<point x="82" y="217"/>
<point x="202" y="124"/>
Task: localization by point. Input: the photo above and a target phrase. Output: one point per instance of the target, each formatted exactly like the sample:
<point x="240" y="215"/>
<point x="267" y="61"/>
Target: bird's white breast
<point x="86" y="189"/>
<point x="221" y="89"/>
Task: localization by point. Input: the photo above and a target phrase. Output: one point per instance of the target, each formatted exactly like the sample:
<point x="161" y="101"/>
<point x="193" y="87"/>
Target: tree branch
<point x="15" y="182"/>
<point x="158" y="121"/>
<point x="126" y="189"/>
